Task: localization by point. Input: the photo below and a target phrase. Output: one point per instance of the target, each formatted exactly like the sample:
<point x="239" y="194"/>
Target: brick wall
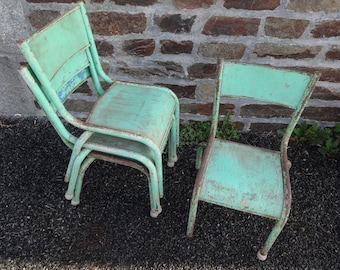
<point x="176" y="43"/>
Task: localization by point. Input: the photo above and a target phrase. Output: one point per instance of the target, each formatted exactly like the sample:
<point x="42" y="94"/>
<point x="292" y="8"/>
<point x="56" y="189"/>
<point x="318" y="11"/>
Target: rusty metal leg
<point x="263" y="252"/>
<point x="192" y="214"/>
<point x="86" y="163"/>
<point x="172" y="156"/>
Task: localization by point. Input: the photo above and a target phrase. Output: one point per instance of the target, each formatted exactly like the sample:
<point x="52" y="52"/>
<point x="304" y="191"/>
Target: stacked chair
<point x="129" y="124"/>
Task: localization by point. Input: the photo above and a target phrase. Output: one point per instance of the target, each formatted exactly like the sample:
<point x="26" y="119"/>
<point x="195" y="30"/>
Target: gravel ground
<point x="112" y="229"/>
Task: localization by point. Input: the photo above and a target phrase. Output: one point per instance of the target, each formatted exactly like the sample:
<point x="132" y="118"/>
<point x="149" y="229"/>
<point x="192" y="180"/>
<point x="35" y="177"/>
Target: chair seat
<point x="137" y="109"/>
<point x="119" y="143"/>
<point x="244" y="178"/>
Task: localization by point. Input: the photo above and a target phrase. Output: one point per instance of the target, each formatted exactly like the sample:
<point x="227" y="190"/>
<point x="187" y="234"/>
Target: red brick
<point x="333" y="53"/>
<point x="185" y="91"/>
<point x="327" y="74"/>
<point x="307" y="6"/>
<point x="221" y="50"/>
<point x="218" y="25"/>
<point x="322" y="114"/>
<point x="325" y="94"/>
<point x="143" y="72"/>
<point x="139" y="47"/>
<point x="330" y="74"/>
<point x="154" y="69"/>
<point x="286" y="51"/>
<point x="171" y="66"/>
<point x="174" y="23"/>
<point x="135" y="2"/>
<point x="285" y="28"/>
<point x="252" y="4"/>
<point x="192" y="4"/>
<point x="265" y="111"/>
<point x="173" y="47"/>
<point x="326" y="29"/>
<point x="202" y="71"/>
<point x="104" y="48"/>
<point x="111" y="23"/>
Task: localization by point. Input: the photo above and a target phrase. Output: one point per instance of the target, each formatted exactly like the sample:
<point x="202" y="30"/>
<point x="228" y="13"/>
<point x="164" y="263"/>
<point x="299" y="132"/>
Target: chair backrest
<point x="63" y="55"/>
<point x="266" y="84"/>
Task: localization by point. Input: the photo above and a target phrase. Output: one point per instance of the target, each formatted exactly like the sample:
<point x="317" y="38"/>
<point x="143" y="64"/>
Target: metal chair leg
<point x="156" y="208"/>
<point x="74" y="174"/>
<point x="76" y="150"/>
<point x="81" y="164"/>
<point x="172" y="155"/>
<point x="263" y="252"/>
<point x="192" y="215"/>
<point x="86" y="163"/>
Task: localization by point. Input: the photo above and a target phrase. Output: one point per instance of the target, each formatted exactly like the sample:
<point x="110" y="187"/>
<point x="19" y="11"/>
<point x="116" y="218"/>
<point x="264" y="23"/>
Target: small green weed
<point x="312" y="134"/>
<point x="330" y="147"/>
<point x="332" y="143"/>
<point x="227" y="129"/>
<point x="327" y="139"/>
<point x="196" y="132"/>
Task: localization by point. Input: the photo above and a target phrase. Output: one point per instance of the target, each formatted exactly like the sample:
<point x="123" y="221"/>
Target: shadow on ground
<point x="112" y="229"/>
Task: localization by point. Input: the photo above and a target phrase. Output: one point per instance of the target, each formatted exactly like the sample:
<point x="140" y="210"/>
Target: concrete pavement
<point x="15" y="95"/>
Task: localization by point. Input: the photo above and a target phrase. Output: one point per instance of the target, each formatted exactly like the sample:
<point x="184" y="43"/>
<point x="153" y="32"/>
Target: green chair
<point x="243" y="177"/>
<point x="129" y="124"/>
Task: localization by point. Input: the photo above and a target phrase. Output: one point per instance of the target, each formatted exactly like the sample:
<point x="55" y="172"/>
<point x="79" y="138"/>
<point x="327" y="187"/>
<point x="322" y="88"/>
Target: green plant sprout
<point x="197" y="132"/>
<point x="326" y="139"/>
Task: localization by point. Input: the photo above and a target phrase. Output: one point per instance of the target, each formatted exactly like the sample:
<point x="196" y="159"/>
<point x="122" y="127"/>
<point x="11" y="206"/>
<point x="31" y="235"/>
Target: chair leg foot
<point x="155" y="213"/>
<point x="260" y="256"/>
<point x="75" y="203"/>
<point x="171" y="161"/>
<point x="171" y="164"/>
<point x="68" y="196"/>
